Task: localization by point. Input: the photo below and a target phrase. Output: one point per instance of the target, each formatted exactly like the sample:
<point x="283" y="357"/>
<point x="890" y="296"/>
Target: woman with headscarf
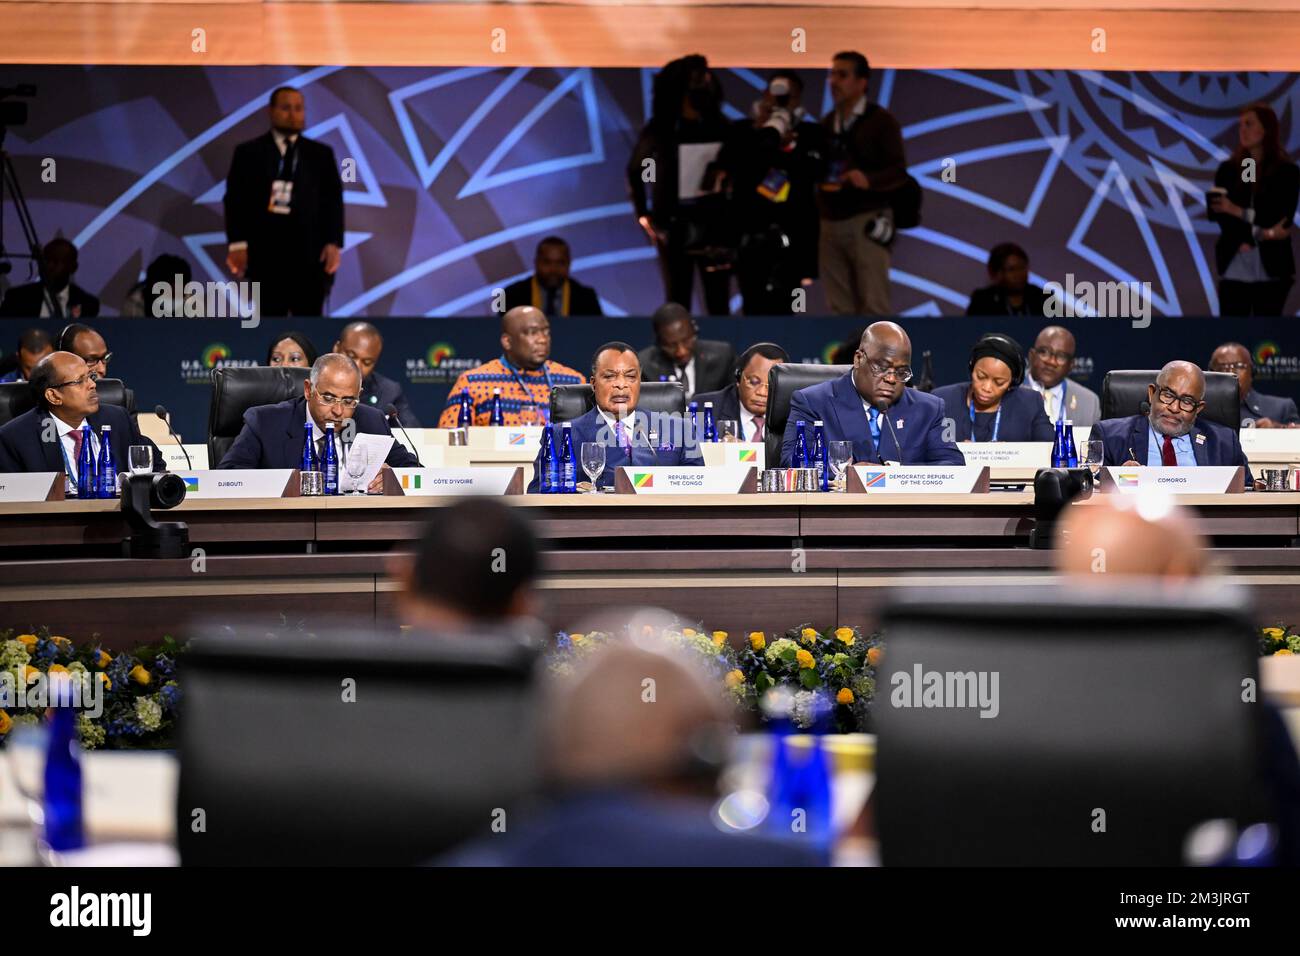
<point x="291" y="348"/>
<point x="992" y="405"/>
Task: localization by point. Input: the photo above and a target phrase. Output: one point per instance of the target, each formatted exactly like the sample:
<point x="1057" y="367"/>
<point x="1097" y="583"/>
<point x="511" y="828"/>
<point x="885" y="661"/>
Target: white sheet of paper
<point x="374" y="448"/>
<point x="692" y="160"/>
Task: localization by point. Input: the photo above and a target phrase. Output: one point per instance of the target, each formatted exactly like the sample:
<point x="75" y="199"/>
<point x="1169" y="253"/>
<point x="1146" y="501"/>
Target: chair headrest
<point x="1124" y="393"/>
<point x="783" y="381"/>
<point x="236" y="390"/>
<point x="573" y="401"/>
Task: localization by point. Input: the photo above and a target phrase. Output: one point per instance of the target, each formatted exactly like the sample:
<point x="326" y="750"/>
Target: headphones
<point x="743" y="360"/>
<point x="1017" y="370"/>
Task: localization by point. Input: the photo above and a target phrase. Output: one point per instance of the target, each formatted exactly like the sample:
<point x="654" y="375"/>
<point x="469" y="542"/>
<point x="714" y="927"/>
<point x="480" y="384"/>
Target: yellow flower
<point x="5" y="723"/>
<point x="808" y="634"/>
<point x="577" y="638"/>
<point x="1282" y="653"/>
<point x="103" y="660"/>
<point x="719" y="638"/>
<point x="757" y="641"/>
<point x="108" y="683"/>
<point x="688" y="632"/>
<point x="735" y="678"/>
<point x="58" y="669"/>
<point x="61" y="641"/>
<point x="28" y="640"/>
<point x="1274" y="632"/>
<point x="845" y="635"/>
<point x="845" y="696"/>
<point x="874" y="656"/>
<point x="804" y="659"/>
<point x="31" y="673"/>
<point x="140" y="675"/>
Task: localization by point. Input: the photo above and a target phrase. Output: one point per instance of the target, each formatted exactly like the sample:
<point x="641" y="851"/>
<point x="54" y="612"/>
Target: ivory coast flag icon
<point x="411" y="481"/>
<point x="747" y="454"/>
<point x="643" y="479"/>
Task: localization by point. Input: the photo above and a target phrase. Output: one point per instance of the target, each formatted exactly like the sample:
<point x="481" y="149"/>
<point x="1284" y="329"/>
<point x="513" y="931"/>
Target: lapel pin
<point x="1200" y="439"/>
<point x="898" y="423"/>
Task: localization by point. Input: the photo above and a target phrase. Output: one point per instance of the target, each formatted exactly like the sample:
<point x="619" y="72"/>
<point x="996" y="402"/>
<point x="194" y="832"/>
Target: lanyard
<point x="289" y="148"/>
<point x="520" y="381"/>
<point x="69" y="472"/>
<point x="997" y="421"/>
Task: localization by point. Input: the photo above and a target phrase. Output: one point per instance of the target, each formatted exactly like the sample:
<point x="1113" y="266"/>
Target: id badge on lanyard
<point x="282" y="188"/>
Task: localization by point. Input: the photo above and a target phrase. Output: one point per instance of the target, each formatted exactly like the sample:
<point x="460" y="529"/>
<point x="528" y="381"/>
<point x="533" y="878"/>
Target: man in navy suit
<point x="272" y="435"/>
<point x="872" y="407"/>
<point x="49" y="436"/>
<point x="1169" y="434"/>
<point x="615" y="421"/>
<point x="1257" y="411"/>
<point x="745" y="400"/>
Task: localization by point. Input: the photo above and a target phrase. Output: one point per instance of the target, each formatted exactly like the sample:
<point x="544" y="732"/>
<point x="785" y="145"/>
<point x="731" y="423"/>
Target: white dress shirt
<point x="747" y="424"/>
<point x="61" y="298"/>
<point x="70" y="450"/>
<point x="1054" y="398"/>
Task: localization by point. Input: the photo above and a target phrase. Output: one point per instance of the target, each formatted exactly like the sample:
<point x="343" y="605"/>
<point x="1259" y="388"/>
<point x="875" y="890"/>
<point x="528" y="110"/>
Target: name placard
<point x="919" y="479"/>
<point x="31" y="486"/>
<point x="507" y="437"/>
<point x="666" y="480"/>
<point x="430" y="482"/>
<point x="745" y="454"/>
<point x="174" y="457"/>
<point x="1270" y="444"/>
<point x="1210" y="480"/>
<point x="1019" y="456"/>
<point x="241" y="483"/>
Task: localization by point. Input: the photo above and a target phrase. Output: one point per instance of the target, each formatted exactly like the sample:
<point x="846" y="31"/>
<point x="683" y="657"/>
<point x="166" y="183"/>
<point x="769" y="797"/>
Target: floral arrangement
<point x="823" y="671"/>
<point x="133" y="707"/>
<point x="1278" y="641"/>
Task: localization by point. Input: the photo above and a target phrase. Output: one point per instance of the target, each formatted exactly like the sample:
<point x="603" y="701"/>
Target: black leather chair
<point x="1124" y="393"/>
<point x="782" y="382"/>
<point x="17" y="397"/>
<point x="573" y="401"/>
<point x="236" y="390"/>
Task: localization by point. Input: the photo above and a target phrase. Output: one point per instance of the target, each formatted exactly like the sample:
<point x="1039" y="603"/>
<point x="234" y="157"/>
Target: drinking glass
<point x="593" y="462"/>
<point x="841" y="454"/>
<point x="530" y="416"/>
<point x="1095" y="455"/>
<point x="358" y="460"/>
<point x="729" y="431"/>
<point x="140" y="459"/>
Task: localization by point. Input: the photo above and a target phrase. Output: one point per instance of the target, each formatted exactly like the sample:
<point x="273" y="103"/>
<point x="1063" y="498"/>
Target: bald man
<point x="1257" y="411"/>
<point x="1050" y="362"/>
<point x="1170" y="434"/>
<point x="523" y="372"/>
<point x="631" y="782"/>
<point x="361" y="342"/>
<point x="1146" y="535"/>
<point x="872" y="407"/>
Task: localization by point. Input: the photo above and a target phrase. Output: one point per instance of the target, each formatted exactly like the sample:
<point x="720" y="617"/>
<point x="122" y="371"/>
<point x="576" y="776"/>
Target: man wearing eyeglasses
<point x="272" y="435"/>
<point x="1170" y="435"/>
<point x="872" y="407"/>
<point x="1050" y="362"/>
<point x="1257" y="411"/>
<point x="84" y="342"/>
<point x="49" y="436"/>
<point x="745" y="400"/>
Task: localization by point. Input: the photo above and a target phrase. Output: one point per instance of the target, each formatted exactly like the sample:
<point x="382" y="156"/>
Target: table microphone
<point x="391" y="412"/>
<point x="884" y="413"/>
<point x="161" y="412"/>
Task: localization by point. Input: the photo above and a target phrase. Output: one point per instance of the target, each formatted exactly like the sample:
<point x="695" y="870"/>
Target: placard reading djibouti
<point x="486" y="480"/>
<point x="1202" y="480"/>
<point x="31" y="486"/>
<point x="664" y="480"/>
<point x="241" y="483"/>
<point x="919" y="479"/>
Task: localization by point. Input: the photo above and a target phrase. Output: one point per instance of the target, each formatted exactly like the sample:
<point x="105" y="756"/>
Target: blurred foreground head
<point x="474" y="565"/>
<point x="1123" y="536"/>
<point x="634" y="714"/>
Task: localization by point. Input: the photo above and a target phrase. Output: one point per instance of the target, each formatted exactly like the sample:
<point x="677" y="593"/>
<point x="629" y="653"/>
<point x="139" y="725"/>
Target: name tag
<point x="241" y="483"/>
<point x="663" y="480"/>
<point x="919" y="479"/>
<point x="1217" y="480"/>
<point x="718" y="454"/>
<point x="174" y="457"/>
<point x="1008" y="459"/>
<point x="281" y="197"/>
<point x="31" y="486"/>
<point x="455" y="481"/>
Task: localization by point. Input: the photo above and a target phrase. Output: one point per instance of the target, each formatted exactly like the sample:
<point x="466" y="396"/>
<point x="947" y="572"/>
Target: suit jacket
<point x="1082" y="405"/>
<point x="22" y="447"/>
<point x="715" y="365"/>
<point x="316" y="210"/>
<point x="1219" y="447"/>
<point x="992" y="300"/>
<point x="582" y="298"/>
<point x="1280" y="410"/>
<point x="1023" y="415"/>
<point x="591" y="427"/>
<point x="25" y="301"/>
<point x="380" y="391"/>
<point x="272" y="437"/>
<point x="1275" y="196"/>
<point x="726" y="404"/>
<point x="917" y="417"/>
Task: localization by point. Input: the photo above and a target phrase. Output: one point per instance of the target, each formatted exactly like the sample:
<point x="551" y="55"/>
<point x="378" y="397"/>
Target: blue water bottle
<point x="62" y="796"/>
<point x="1070" y="452"/>
<point x="549" y="463"/>
<point x="86" y="487"/>
<point x="710" y="426"/>
<point x="799" y="789"/>
<point x="106" y="484"/>
<point x="801" y="454"/>
<point x="309" y="462"/>
<point x="498" y="416"/>
<point x="465" y="417"/>
<point x="1058" y="445"/>
<point x="821" y="455"/>
<point x="331" y="463"/>
<point x="568" y="464"/>
<point x="692" y="410"/>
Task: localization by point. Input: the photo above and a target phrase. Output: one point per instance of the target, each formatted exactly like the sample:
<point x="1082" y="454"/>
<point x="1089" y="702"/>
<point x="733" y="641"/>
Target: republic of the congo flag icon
<point x="747" y="454"/>
<point x="643" y="479"/>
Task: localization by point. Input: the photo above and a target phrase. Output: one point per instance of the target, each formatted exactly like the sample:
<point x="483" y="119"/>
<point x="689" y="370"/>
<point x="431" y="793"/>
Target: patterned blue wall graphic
<point x="461" y="171"/>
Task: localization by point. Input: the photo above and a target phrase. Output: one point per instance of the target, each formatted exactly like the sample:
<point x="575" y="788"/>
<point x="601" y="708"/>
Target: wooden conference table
<point x="732" y="562"/>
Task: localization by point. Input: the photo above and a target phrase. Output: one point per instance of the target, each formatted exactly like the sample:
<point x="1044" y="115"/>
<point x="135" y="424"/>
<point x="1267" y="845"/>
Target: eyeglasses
<point x="902" y="373"/>
<point x="328" y="399"/>
<point x="100" y="361"/>
<point x="1044" y="353"/>
<point x="753" y="381"/>
<point x="1234" y="367"/>
<point x="77" y="382"/>
<point x="1167" y="396"/>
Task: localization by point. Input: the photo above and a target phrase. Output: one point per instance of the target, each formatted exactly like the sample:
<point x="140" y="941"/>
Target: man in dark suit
<point x="872" y="407"/>
<point x="361" y="342"/>
<point x="284" y="212"/>
<point x="48" y="437"/>
<point x="615" y="422"/>
<point x="55" y="296"/>
<point x="1169" y="434"/>
<point x="86" y="343"/>
<point x="1257" y="411"/>
<point x="550" y="287"/>
<point x="680" y="355"/>
<point x="33" y="345"/>
<point x="1010" y="293"/>
<point x="272" y="436"/>
<point x="745" y="399"/>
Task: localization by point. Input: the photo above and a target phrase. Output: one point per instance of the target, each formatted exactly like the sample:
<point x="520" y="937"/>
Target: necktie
<point x="76" y="436"/>
<point x="1167" y="456"/>
<point x="874" y="414"/>
<point x="56" y="307"/>
<point x="550" y="303"/>
<point x="758" y="428"/>
<point x="620" y="436"/>
<point x="1048" y="401"/>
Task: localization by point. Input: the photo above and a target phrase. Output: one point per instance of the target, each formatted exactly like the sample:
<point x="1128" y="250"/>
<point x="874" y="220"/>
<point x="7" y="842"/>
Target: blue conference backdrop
<point x="170" y="362"/>
<point x="458" y="173"/>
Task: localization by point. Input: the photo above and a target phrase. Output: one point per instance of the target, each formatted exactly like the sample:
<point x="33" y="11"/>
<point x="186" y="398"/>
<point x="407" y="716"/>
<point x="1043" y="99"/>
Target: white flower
<point x="149" y="712"/>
